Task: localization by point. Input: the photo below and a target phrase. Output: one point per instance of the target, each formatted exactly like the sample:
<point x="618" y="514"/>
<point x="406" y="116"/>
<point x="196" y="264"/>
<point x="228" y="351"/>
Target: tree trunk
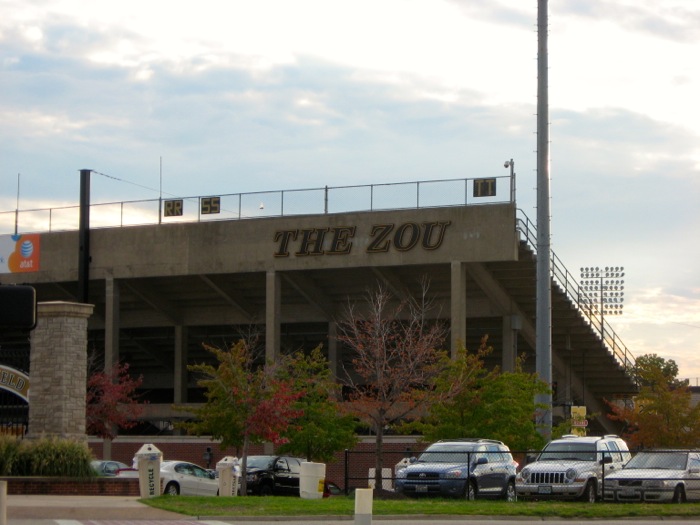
<point x="244" y="466"/>
<point x="378" y="483"/>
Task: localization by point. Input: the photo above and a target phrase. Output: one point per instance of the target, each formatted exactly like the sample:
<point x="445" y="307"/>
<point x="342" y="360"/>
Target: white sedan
<point x="188" y="479"/>
<point x="659" y="475"/>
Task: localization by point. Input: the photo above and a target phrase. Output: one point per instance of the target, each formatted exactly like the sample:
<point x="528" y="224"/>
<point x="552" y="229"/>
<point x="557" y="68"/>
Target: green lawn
<point x="345" y="506"/>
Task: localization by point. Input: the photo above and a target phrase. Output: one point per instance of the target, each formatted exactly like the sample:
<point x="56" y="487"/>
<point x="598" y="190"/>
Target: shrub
<point x="53" y="457"/>
<point x="9" y="450"/>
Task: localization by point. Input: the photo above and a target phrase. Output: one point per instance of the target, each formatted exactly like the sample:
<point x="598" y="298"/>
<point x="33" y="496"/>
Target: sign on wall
<point x="14" y="381"/>
<point x="173" y="208"/>
<point x="19" y="253"/>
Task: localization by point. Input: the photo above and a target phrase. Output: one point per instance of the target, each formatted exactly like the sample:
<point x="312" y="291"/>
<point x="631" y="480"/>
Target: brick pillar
<point x="58" y="371"/>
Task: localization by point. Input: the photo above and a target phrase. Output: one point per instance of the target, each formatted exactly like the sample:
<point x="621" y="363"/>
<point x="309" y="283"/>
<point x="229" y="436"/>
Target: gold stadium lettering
<point x="338" y="240"/>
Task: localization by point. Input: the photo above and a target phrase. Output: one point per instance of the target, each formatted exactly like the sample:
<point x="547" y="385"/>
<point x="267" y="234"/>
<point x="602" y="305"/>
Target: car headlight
<point x="252" y="477"/>
<point x="571" y="473"/>
<point x="611" y="483"/>
<point x="455" y="473"/>
<point x="525" y="473"/>
<point x="654" y="483"/>
<point x="401" y="474"/>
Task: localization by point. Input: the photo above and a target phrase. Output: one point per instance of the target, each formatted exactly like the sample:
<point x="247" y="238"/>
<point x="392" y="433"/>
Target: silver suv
<point x="469" y="468"/>
<point x="572" y="468"/>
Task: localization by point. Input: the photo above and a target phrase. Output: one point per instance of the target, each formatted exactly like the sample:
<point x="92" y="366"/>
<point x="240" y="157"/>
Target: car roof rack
<point x="470" y="440"/>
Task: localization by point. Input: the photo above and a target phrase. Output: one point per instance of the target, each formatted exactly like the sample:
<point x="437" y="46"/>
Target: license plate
<point x="421" y="488"/>
<point x="544" y="489"/>
<point x="627" y="493"/>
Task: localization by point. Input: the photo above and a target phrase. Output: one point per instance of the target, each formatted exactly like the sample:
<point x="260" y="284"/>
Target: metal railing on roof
<point x="309" y="201"/>
<point x="261" y="204"/>
<point x="581" y="300"/>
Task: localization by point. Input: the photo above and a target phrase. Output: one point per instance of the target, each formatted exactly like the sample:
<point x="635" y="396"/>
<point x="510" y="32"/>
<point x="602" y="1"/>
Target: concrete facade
<point x="162" y="290"/>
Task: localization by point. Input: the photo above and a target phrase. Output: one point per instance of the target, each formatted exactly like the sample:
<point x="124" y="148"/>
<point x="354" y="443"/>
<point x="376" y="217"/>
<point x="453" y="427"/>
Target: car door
<point x="282" y="476"/>
<point x="206" y="485"/>
<point x="496" y="472"/>
<point x="184" y="475"/>
<point x="484" y="472"/>
<point x="294" y="475"/>
<point x="692" y="486"/>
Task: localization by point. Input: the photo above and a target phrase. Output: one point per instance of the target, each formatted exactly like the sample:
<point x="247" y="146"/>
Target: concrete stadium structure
<point x="160" y="290"/>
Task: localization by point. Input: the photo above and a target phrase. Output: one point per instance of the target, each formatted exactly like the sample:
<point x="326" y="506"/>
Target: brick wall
<point x="73" y="487"/>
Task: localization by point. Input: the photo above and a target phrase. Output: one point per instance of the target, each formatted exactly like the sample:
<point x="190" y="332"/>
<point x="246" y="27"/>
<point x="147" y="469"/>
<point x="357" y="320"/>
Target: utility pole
<point x="543" y="324"/>
<point x="84" y="237"/>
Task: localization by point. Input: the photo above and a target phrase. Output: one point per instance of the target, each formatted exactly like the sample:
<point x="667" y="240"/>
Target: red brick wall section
<point x="73" y="487"/>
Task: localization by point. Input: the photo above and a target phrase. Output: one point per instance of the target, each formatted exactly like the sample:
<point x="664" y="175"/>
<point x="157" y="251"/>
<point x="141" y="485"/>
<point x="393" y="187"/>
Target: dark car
<point x="469" y="468"/>
<point x="268" y="475"/>
<point x="331" y="489"/>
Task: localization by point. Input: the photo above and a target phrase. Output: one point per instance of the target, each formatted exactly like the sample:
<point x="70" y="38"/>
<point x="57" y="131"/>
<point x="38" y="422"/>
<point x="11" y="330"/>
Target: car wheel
<point x="589" y="493"/>
<point x="266" y="490"/>
<point x="470" y="491"/>
<point x="510" y="494"/>
<point x="172" y="489"/>
<point x="679" y="495"/>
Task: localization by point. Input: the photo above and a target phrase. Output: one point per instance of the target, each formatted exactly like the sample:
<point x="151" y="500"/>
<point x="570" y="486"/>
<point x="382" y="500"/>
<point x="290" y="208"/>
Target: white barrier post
<point x="363" y="506"/>
<point x="3" y="502"/>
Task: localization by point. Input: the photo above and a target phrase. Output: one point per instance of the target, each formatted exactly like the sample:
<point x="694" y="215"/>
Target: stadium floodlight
<point x="602" y="290"/>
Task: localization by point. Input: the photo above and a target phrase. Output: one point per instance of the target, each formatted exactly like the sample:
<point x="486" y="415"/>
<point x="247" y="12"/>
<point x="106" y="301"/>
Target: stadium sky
<point x="215" y="97"/>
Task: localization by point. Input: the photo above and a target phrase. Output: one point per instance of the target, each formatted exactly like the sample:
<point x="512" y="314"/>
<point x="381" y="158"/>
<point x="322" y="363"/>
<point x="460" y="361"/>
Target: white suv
<point x="572" y="467"/>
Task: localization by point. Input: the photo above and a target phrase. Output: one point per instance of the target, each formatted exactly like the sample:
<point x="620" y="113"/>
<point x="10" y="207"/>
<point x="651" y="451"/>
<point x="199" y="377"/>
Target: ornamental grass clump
<point x="9" y="451"/>
<point x="53" y="457"/>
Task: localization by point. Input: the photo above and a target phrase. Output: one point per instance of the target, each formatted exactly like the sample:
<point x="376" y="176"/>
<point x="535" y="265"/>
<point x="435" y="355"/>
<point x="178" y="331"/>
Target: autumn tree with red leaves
<point x="245" y="403"/>
<point x="662" y="414"/>
<point x="111" y="401"/>
<point x="396" y="360"/>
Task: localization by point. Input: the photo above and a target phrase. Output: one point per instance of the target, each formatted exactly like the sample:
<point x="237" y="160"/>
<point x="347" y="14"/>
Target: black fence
<point x="575" y="472"/>
<point x="14" y="353"/>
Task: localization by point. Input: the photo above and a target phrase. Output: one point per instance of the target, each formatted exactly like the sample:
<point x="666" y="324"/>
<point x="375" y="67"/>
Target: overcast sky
<point x="243" y="96"/>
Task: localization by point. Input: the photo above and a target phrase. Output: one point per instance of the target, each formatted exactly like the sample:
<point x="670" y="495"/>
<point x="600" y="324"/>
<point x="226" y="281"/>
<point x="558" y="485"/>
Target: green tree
<point x="485" y="403"/>
<point x="662" y="413"/>
<point x="322" y="429"/>
<point x="245" y="404"/>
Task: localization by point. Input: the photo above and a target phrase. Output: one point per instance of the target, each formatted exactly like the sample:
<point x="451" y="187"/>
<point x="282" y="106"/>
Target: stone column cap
<point x="64" y="308"/>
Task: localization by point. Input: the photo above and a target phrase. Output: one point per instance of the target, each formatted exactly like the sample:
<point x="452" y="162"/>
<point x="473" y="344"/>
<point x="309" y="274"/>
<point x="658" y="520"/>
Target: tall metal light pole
<point x="543" y="324"/>
<point x="602" y="289"/>
<point x="511" y="164"/>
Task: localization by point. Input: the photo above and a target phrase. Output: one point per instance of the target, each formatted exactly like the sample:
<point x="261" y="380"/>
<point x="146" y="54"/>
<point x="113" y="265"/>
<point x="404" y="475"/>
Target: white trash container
<point x="148" y="459"/>
<point x="312" y="480"/>
<point x="228" y="477"/>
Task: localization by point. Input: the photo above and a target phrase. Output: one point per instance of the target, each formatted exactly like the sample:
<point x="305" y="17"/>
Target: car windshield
<point x="658" y="460"/>
<point x="261" y="462"/>
<point x="568" y="452"/>
<point x="447" y="454"/>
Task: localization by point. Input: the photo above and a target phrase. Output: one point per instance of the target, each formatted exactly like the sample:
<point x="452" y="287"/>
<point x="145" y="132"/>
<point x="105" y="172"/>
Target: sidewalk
<point x="84" y="508"/>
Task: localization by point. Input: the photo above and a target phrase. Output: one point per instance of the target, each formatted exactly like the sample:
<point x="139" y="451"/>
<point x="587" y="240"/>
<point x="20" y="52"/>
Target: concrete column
<point x="273" y="312"/>
<point x="333" y="348"/>
<point x="180" y="365"/>
<point x="458" y="305"/>
<point x="112" y="321"/>
<point x="508" y="352"/>
<point x="58" y="364"/>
